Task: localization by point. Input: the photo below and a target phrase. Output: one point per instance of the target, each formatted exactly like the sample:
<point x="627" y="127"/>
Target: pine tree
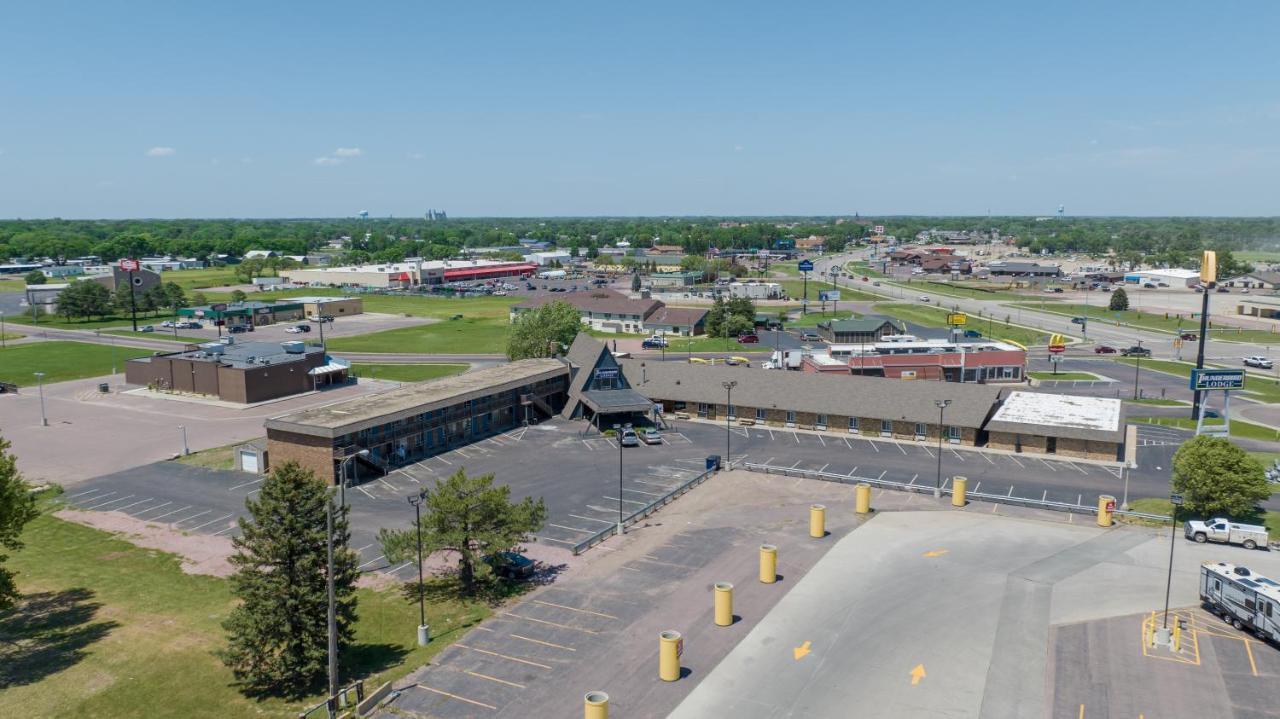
<point x="17" y="507"/>
<point x="278" y="636"/>
<point x="1119" y="301"/>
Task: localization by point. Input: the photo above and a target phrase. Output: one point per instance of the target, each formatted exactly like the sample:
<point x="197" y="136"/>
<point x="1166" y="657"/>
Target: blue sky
<point x="239" y="109"/>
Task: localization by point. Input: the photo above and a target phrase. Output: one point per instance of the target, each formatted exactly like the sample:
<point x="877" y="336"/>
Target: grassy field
<point x="465" y="336"/>
<point x="191" y="280"/>
<point x="1171" y="323"/>
<point x="1261" y="388"/>
<point x="976" y="291"/>
<point x="11" y="285"/>
<point x="160" y="334"/>
<point x="61" y="361"/>
<point x="213" y="458"/>
<point x="1063" y="376"/>
<point x="60" y="322"/>
<point x="795" y="290"/>
<point x="1263" y="256"/>
<point x="109" y="629"/>
<point x="11" y="335"/>
<point x="406" y="372"/>
<point x="1240" y="429"/>
<point x="1155" y="505"/>
<point x="1157" y="402"/>
<point x="934" y="317"/>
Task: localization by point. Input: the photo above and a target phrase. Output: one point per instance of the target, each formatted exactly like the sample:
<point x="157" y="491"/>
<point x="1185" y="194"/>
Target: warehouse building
<point x="408" y="274"/>
<point x="1172" y="277"/>
<point x="420" y="419"/>
<point x="1066" y="425"/>
<point x="864" y="329"/>
<point x="243" y="372"/>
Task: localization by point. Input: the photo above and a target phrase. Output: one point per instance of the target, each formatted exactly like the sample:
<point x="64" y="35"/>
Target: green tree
<point x="175" y="297"/>
<point x="199" y="300"/>
<point x="544" y="331"/>
<point x="1216" y="477"/>
<point x="123" y="298"/>
<point x="278" y="635"/>
<point x="152" y="299"/>
<point x="36" y="277"/>
<point x="714" y="325"/>
<point x="17" y="507"/>
<point x="1119" y="300"/>
<point x="238" y="296"/>
<point x="635" y="281"/>
<point x="471" y="517"/>
<point x="84" y="299"/>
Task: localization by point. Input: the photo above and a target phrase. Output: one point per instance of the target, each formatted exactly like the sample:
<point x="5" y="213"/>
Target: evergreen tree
<point x="17" y="507"/>
<point x="469" y="516"/>
<point x="1119" y="300"/>
<point x="635" y="281"/>
<point x="36" y="277"/>
<point x="278" y="636"/>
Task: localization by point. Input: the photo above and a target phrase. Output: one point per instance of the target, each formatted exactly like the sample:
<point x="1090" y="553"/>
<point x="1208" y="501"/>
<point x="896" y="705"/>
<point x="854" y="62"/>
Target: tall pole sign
<point x="805" y="266"/>
<point x="1208" y="276"/>
<point x="131" y="267"/>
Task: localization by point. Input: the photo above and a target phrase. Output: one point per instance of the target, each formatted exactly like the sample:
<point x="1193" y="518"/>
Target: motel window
<point x="953" y="434"/>
<point x="702" y="409"/>
<point x="886" y="427"/>
<point x="760" y="414"/>
<point x="821" y="422"/>
<point x="791" y="417"/>
<point x="853" y="425"/>
<point x="921" y="430"/>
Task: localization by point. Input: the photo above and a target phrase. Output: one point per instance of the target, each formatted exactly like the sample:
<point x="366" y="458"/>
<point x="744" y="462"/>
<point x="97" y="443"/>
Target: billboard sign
<point x="879" y="229"/>
<point x="957" y="319"/>
<point x="129" y="265"/>
<point x="220" y="307"/>
<point x="1225" y="379"/>
<point x="805" y="266"/>
<point x="607" y="373"/>
<point x="829" y="295"/>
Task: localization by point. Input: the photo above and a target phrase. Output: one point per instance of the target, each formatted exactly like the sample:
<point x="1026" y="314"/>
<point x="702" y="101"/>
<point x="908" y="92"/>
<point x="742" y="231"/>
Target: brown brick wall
<point x="1086" y="449"/>
<point x="314" y="453"/>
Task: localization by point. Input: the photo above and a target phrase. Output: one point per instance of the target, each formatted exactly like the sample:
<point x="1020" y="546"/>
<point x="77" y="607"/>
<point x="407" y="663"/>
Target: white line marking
<point x="846" y="442"/>
<point x="957" y="454"/>
<point x="371" y="561"/>
<point x="1051" y="469"/>
<point x="442" y="459"/>
<point x="1082" y="470"/>
<point x="96" y="490"/>
<point x="228" y="529"/>
<point x="823" y="441"/>
<point x="797" y="464"/>
<point x="1046" y="496"/>
<point x="402" y="566"/>
<point x="628" y="501"/>
<point x="219" y="519"/>
<point x="370" y="544"/>
<point x="553" y="539"/>
<point x="592" y="519"/>
<point x="366" y="492"/>
<point x="148" y="509"/>
<point x="913" y="480"/>
<point x="111" y="501"/>
<point x="873" y="445"/>
<point x="464" y="454"/>
<point x="100" y="496"/>
<point x="882" y="473"/>
<point x="245" y="484"/>
<point x="926" y="450"/>
<point x="977" y="486"/>
<point x="824" y="468"/>
<point x="571" y="529"/>
<point x="769" y="461"/>
<point x="176" y="522"/>
<point x="771" y="437"/>
<point x="984" y="456"/>
<point x="389" y="485"/>
<point x="641" y="491"/>
<point x="134" y="504"/>
<point x="1015" y="460"/>
<point x="166" y="514"/>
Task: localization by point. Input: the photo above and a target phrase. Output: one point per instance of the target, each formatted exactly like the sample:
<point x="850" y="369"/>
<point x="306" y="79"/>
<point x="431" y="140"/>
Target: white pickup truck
<point x="1249" y="536"/>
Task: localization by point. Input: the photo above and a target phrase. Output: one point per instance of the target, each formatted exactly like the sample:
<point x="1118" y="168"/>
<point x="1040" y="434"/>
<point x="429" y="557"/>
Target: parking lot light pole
<point x="44" y="420"/>
<point x="937" y="482"/>
<point x="333" y="616"/>
<point x="618" y="436"/>
<point x="342" y="475"/>
<point x="1176" y="501"/>
<point x="728" y="429"/>
<point x="1137" y="367"/>
<point x="416" y="501"/>
<point x="185" y="450"/>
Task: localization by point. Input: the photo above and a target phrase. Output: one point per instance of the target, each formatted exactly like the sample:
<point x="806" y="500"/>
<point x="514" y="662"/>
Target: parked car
<point x="293" y="330"/>
<point x="629" y="438"/>
<point x="809" y="336"/>
<point x="510" y="565"/>
<point x="1104" y="350"/>
<point x="649" y="435"/>
<point x="1136" y="352"/>
<point x="1149" y="285"/>
<point x="972" y="333"/>
<point x="1189" y="336"/>
<point x="147" y="328"/>
<point x="190" y="326"/>
<point x="1222" y="289"/>
<point x="500" y="293"/>
<point x="748" y="339"/>
<point x="654" y="342"/>
<point x="237" y="329"/>
<point x="1249" y="536"/>
<point x="167" y="323"/>
<point x="875" y="284"/>
<point x="1257" y="361"/>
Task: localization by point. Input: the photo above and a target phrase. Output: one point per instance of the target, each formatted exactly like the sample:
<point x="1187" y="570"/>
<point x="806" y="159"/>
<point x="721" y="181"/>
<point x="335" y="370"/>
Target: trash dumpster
<point x="103" y="387"/>
<point x="713" y="462"/>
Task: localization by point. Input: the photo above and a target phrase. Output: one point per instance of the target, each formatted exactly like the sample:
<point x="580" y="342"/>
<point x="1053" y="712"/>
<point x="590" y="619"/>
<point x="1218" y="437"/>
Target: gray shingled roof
<point x="599" y="300"/>
<point x="583" y="355"/>
<point x="864" y="324"/>
<point x="844" y="395"/>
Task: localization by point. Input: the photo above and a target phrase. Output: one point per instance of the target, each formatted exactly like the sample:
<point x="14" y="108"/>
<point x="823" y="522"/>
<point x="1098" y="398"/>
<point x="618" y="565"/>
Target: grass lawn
<point x="12" y="285"/>
<point x="1157" y="402"/>
<point x="406" y="372"/>
<point x="1257" y="255"/>
<point x="11" y="335"/>
<point x="109" y="629"/>
<point x="814" y="315"/>
<point x="1261" y="388"/>
<point x="161" y="333"/>
<point x="191" y="280"/>
<point x="213" y="458"/>
<point x="1155" y="505"/>
<point x="61" y="361"/>
<point x="974" y="290"/>
<point x="728" y="345"/>
<point x="1063" y="376"/>
<point x="470" y="335"/>
<point x="78" y="323"/>
<point x="795" y="290"/>
<point x="1243" y="430"/>
<point x="935" y="317"/>
<point x="1163" y="322"/>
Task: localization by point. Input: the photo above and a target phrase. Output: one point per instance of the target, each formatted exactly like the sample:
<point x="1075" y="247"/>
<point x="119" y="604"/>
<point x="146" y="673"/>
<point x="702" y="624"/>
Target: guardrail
<point x="643" y="512"/>
<point x="1077" y="507"/>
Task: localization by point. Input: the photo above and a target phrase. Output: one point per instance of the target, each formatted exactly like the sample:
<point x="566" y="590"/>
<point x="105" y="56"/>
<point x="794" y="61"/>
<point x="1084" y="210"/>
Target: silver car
<point x="629" y="438"/>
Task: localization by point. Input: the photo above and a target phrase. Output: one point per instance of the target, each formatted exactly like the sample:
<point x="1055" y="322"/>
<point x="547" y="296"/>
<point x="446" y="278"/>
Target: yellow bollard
<point x="768" y="563"/>
<point x="817" y="521"/>
<point x="1177" y="635"/>
<point x="959" y="486"/>
<point x="670" y="646"/>
<point x="1106" y="505"/>
<point x="724" y="604"/>
<point x="596" y="706"/>
<point x="862" y="498"/>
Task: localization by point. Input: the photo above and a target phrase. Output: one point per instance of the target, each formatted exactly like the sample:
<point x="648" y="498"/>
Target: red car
<point x="748" y="339"/>
<point x="1189" y="336"/>
<point x="1104" y="350"/>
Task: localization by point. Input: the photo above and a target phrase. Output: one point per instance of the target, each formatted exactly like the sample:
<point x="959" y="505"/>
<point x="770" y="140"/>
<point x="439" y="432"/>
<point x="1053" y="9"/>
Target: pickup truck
<point x="654" y="342"/>
<point x="1249" y="536"/>
<point x="1136" y="352"/>
<point x="1259" y="362"/>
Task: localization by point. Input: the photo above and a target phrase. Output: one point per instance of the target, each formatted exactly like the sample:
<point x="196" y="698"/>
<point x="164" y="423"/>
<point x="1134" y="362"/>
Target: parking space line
<point x="493" y="679"/>
<point x="558" y="541"/>
<point x="455" y="696"/>
<point x="984" y="456"/>
<point x="847" y="443"/>
<point x="370" y="544"/>
<point x="245" y="484"/>
<point x="366" y="492"/>
<point x="588" y="445"/>
<point x="389" y="485"/>
<point x="628" y="501"/>
<point x="176" y="522"/>
<point x="1050" y="466"/>
<point x="148" y="509"/>
<point x="873" y="445"/>
<point x="957" y="454"/>
<point x="769" y="461"/>
<point x="166" y="514"/>
<point x="977" y="486"/>
<point x="111" y="501"/>
<point x="824" y="468"/>
<point x="823" y="441"/>
<point x="100" y="496"/>
<point x="593" y="519"/>
<point x="133" y="504"/>
<point x="641" y="491"/>
<point x="504" y="656"/>
<point x="545" y="644"/>
<point x="797" y="464"/>
<point x="573" y="609"/>
<point x="402" y="566"/>
<point x="97" y="490"/>
<point x="442" y="459"/>
<point x="1082" y="470"/>
<point x="571" y="529"/>
<point x="913" y="480"/>
<point x="464" y="454"/>
<point x="882" y="473"/>
<point x="192" y="529"/>
<point x="926" y="450"/>
<point x="1015" y="460"/>
<point x="771" y="437"/>
<point x="371" y="561"/>
<point x="901" y="448"/>
<point x="553" y="624"/>
<point x="228" y="529"/>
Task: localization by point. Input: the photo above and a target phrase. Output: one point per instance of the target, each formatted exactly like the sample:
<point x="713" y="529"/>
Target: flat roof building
<point x="1071" y="425"/>
<point x="244" y="372"/>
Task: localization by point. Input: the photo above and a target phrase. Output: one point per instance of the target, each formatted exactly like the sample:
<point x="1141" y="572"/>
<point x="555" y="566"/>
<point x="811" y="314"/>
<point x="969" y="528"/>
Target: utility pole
<point x="1137" y="368"/>
<point x="728" y="428"/>
<point x="937" y="482"/>
<point x="332" y="613"/>
<point x="1208" y="283"/>
<point x="44" y="420"/>
<point x="621" y="528"/>
<point x="423" y="636"/>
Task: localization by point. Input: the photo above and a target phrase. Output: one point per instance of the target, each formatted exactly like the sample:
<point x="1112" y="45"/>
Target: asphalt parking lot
<point x="344" y="326"/>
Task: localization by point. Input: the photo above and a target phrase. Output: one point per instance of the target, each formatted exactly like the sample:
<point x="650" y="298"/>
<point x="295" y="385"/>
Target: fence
<point x="642" y="513"/>
<point x="1078" y="507"/>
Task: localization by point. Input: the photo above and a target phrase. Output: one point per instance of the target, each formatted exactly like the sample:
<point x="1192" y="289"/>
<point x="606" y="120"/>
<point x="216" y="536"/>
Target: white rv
<point x="1248" y="601"/>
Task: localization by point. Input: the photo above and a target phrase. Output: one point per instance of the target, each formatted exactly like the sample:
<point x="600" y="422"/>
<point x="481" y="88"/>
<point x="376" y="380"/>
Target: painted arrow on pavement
<point x="935" y="553"/>
<point x="801" y="650"/>
<point x="917" y="674"/>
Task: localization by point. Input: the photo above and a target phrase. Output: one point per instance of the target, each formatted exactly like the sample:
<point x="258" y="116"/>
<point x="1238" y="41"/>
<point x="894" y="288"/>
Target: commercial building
<point x="611" y="311"/>
<point x="674" y="280"/>
<point x="860" y="330"/>
<point x="408" y="274"/>
<point x="981" y="361"/>
<point x="1006" y="268"/>
<point x="1067" y="425"/>
<point x="548" y="258"/>
<point x="245" y="314"/>
<point x="420" y="419"/>
<point x="1265" y="308"/>
<point x="243" y="372"/>
<point x="757" y="290"/>
<point x="1255" y="281"/>
<point x="1171" y="277"/>
<point x="329" y="306"/>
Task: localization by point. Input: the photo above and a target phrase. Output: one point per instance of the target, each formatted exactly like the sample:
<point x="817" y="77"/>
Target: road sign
<point x="805" y="266"/>
<point x="829" y="295"/>
<point x="957" y="318"/>
<point x="1175" y="500"/>
<point x="129" y="265"/>
<point x="1225" y="379"/>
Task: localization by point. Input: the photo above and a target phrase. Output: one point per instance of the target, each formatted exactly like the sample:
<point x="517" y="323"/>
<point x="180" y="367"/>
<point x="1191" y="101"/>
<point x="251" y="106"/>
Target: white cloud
<point x="160" y="152"/>
<point x="246" y="160"/>
<point x="327" y="161"/>
<point x="737" y="148"/>
<point x="415" y="155"/>
<point x="215" y="161"/>
<point x="348" y="152"/>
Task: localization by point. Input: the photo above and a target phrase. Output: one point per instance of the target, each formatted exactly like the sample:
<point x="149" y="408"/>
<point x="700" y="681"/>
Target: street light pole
<point x="185" y="450"/>
<point x="621" y="529"/>
<point x="937" y="482"/>
<point x="728" y="428"/>
<point x="416" y="501"/>
<point x="1137" y="368"/>
<point x="1175" y="501"/>
<point x="44" y="420"/>
<point x="333" y="611"/>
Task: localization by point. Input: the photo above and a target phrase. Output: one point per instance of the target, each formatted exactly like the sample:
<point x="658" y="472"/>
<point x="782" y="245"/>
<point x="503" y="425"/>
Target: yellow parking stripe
<point x="504" y="656"/>
<point x="455" y="696"/>
<point x="574" y="609"/>
<point x="494" y="679"/>
<point x="547" y="644"/>
<point x="554" y="624"/>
